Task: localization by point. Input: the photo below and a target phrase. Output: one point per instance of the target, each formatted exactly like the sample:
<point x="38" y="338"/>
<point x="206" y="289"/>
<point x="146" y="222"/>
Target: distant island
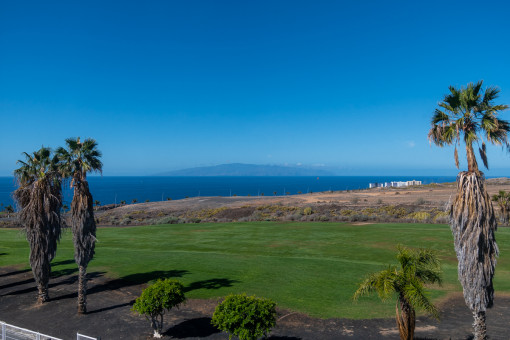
<point x="239" y="169"/>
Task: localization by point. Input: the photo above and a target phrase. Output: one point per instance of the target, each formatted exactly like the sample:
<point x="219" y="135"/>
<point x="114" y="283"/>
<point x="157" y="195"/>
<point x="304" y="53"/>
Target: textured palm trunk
<point x="41" y="267"/>
<point x="84" y="236"/>
<point x="40" y="216"/>
<point x="471" y="158"/>
<point x="82" y="290"/>
<point x="42" y="293"/>
<point x="479" y="326"/>
<point x="473" y="225"/>
<point x="406" y="319"/>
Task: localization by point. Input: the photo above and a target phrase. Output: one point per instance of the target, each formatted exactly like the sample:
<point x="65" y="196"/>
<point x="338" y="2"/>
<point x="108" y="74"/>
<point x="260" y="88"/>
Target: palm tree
<point x="78" y="159"/>
<point x="503" y="200"/>
<point x="39" y="198"/>
<point x="9" y="210"/>
<point x="417" y="267"/>
<point x="469" y="113"/>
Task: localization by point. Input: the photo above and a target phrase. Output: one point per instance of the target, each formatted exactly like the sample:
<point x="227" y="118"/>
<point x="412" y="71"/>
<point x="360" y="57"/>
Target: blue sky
<point x="164" y="85"/>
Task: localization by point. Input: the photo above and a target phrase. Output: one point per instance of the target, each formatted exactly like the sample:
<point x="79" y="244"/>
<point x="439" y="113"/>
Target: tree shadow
<point x="60" y="263"/>
<point x="125" y="281"/>
<point x="12" y="284"/>
<point x="194" y="328"/>
<point x="55" y="274"/>
<point x="16" y="272"/>
<point x="275" y="337"/>
<point x="68" y="281"/>
<point x="210" y="284"/>
<point x="104" y="309"/>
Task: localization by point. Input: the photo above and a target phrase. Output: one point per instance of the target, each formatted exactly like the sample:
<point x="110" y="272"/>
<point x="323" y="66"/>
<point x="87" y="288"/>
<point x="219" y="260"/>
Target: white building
<point x="395" y="184"/>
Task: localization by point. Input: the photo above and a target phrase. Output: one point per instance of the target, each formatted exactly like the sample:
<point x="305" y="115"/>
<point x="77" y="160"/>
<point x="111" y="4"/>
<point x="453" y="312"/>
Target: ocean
<point x="113" y="189"/>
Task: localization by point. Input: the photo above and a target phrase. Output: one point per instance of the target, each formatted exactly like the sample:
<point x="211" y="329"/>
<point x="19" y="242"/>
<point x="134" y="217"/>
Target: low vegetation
<point x="247" y="317"/>
<point x="419" y="212"/>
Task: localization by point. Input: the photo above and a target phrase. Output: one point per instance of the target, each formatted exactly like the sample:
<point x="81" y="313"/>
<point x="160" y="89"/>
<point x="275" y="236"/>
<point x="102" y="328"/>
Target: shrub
<point x="167" y="220"/>
<point x="158" y="298"/>
<point x="307" y="211"/>
<point x="354" y="200"/>
<point x="420" y="201"/>
<point x="246" y="317"/>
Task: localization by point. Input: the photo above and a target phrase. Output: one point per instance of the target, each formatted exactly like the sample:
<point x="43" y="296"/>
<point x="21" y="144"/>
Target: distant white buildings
<point x="396" y="184"/>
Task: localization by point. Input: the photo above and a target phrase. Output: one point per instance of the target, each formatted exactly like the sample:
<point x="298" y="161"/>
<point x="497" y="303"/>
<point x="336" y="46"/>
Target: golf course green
<point x="309" y="267"/>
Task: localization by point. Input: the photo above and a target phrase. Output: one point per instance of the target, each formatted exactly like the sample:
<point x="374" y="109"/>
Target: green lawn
<point x="308" y="267"/>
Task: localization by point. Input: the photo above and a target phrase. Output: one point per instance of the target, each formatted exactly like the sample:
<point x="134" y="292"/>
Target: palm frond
<point x="456" y="156"/>
<point x="483" y="155"/>
<point x="414" y="292"/>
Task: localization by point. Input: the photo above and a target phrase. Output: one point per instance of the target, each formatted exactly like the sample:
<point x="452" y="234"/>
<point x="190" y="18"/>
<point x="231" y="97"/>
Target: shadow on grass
<point x="210" y="284"/>
<point x="60" y="263"/>
<point x="68" y="281"/>
<point x="194" y="328"/>
<point x="55" y="274"/>
<point x="125" y="281"/>
<point x="1" y="254"/>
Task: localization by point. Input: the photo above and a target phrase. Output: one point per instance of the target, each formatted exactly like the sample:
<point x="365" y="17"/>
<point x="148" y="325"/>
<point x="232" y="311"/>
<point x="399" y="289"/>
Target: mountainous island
<point x="240" y="169"/>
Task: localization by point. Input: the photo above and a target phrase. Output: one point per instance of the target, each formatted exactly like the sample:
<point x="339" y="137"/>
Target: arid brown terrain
<point x="424" y="204"/>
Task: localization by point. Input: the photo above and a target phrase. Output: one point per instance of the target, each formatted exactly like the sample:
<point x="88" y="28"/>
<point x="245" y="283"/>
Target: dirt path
<point x="109" y="316"/>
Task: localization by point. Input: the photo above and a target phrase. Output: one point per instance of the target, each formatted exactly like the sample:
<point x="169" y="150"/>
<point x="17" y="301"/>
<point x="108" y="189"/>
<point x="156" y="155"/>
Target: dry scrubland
<point x="421" y="204"/>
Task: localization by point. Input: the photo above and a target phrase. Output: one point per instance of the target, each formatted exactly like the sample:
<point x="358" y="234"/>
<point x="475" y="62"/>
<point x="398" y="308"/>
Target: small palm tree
<point x="9" y="210"/>
<point x="416" y="269"/>
<point x="78" y="159"/>
<point x="39" y="198"/>
<point x="470" y="114"/>
<point x="503" y="200"/>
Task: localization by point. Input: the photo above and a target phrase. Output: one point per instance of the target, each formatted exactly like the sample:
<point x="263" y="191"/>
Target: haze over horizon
<point x="172" y="85"/>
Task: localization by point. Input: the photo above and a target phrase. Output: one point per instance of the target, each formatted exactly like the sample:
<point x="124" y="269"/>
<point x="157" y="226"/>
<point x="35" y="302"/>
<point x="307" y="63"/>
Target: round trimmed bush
<point x="247" y="317"/>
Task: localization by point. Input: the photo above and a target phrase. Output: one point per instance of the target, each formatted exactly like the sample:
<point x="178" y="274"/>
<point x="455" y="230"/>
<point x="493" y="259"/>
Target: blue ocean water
<point x="109" y="189"/>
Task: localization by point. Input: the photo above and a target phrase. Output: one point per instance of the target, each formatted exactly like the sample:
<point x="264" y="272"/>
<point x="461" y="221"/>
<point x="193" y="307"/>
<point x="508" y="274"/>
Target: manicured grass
<point x="307" y="267"/>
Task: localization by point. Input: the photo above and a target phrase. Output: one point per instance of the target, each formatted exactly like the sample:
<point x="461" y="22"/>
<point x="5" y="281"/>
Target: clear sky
<point x="164" y="85"/>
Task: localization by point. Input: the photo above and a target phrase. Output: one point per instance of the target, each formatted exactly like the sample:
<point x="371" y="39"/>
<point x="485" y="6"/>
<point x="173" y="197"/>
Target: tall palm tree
<point x="78" y="159"/>
<point x="417" y="267"/>
<point x="470" y="114"/>
<point x="39" y="198"/>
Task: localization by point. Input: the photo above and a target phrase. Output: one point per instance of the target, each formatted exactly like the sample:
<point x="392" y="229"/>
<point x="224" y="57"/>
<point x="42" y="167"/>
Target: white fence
<point x="85" y="337"/>
<point x="10" y="332"/>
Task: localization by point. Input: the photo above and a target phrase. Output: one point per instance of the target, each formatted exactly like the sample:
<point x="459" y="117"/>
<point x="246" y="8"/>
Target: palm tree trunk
<point x="42" y="293"/>
<point x="479" y="326"/>
<point x="407" y="320"/>
<point x="82" y="290"/>
<point x="471" y="158"/>
<point x="473" y="225"/>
